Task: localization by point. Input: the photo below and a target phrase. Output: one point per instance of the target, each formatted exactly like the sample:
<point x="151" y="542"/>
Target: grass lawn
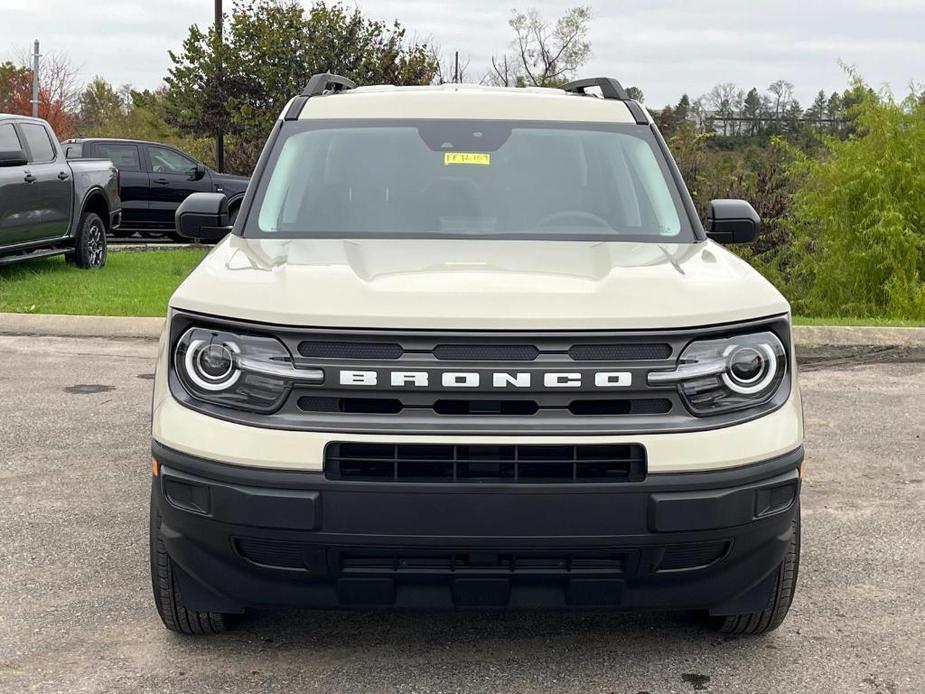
<point x="137" y="283"/>
<point x="879" y="322"/>
<point x="140" y="283"/>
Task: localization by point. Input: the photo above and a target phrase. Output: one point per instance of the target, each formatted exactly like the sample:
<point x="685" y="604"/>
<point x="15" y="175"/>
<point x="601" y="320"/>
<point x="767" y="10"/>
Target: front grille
<point x="485" y="406"/>
<point x="390" y="351"/>
<point x="426" y="463"/>
<point x="460" y="383"/>
<point x="521" y="562"/>
<point x="448" y="562"/>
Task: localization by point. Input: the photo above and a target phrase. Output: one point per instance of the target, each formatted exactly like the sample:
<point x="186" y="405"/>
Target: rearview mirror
<point x="13" y="157"/>
<point x="203" y="216"/>
<point x="732" y="221"/>
<point x="197" y="172"/>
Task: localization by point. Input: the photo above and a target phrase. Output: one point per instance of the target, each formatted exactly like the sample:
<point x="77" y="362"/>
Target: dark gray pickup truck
<point x="48" y="205"/>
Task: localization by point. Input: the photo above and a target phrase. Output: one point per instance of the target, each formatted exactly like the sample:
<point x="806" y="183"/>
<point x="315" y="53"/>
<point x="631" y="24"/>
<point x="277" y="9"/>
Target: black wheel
<point x="89" y="243"/>
<point x="773" y="615"/>
<point x="169" y="599"/>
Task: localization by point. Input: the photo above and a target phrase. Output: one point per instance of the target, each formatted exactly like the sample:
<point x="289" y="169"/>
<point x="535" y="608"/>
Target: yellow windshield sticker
<point x="478" y="158"/>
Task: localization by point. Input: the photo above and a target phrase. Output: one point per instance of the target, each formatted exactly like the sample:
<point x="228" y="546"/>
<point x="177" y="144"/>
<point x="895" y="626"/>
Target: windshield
<point x="493" y="179"/>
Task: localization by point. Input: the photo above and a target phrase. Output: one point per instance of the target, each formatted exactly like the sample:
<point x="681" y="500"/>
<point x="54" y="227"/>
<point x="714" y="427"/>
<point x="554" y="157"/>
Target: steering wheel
<point x="556" y="218"/>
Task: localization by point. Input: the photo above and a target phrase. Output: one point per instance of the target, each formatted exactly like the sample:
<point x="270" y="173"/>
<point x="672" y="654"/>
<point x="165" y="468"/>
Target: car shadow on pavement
<point x="421" y="630"/>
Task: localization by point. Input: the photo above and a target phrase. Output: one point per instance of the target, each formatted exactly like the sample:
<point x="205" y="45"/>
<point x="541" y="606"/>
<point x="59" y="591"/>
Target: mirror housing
<point x="203" y="216"/>
<point x="13" y="157"/>
<point x="732" y="221"/>
<point x="197" y="172"/>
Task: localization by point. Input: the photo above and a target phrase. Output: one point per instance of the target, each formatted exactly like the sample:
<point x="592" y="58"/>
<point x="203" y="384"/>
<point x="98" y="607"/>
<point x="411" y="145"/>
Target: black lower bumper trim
<point x="249" y="536"/>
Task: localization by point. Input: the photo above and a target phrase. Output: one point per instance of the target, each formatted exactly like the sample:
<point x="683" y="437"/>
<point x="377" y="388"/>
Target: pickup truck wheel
<point x="770" y="618"/>
<point x="89" y="243"/>
<point x="169" y="599"/>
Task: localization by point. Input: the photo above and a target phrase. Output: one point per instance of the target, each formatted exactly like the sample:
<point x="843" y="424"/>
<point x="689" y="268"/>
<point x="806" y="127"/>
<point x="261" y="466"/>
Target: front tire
<point x="169" y="599"/>
<point x="90" y="250"/>
<point x="754" y="623"/>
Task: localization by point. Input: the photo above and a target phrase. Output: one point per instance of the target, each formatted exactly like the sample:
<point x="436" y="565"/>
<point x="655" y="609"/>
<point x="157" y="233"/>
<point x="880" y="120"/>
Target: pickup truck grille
<point x="374" y="462"/>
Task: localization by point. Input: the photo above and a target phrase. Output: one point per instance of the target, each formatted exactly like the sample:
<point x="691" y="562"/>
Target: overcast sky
<point x="666" y="47"/>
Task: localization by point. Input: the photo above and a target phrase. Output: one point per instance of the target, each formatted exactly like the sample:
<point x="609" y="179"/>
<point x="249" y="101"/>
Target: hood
<point x="470" y="284"/>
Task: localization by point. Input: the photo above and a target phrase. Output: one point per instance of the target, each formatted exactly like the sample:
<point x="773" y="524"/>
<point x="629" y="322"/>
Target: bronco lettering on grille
<point x="494" y="379"/>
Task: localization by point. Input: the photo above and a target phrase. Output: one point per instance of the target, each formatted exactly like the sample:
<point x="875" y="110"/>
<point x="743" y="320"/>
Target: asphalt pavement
<point x="76" y="612"/>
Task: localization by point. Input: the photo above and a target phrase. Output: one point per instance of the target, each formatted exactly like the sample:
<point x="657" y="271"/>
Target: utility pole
<point x="219" y="133"/>
<point x="35" y="80"/>
<point x="456" y="69"/>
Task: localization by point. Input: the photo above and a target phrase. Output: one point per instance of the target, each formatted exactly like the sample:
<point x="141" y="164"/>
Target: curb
<point x="817" y="341"/>
<point x="51" y="325"/>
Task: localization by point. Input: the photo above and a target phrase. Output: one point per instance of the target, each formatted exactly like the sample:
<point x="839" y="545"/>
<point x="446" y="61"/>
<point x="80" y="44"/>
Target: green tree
<point x="269" y="52"/>
<point x="751" y="109"/>
<point x="817" y="112"/>
<point x="635" y="93"/>
<point x="859" y="215"/>
<point x="99" y="102"/>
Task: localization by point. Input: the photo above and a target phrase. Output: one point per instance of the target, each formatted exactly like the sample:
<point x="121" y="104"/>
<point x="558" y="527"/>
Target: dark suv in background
<point x="156" y="178"/>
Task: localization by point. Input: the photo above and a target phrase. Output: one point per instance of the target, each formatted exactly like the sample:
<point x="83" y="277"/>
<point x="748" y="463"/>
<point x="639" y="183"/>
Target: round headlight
<point x="215" y="362"/>
<point x="211" y="365"/>
<point x="749" y="368"/>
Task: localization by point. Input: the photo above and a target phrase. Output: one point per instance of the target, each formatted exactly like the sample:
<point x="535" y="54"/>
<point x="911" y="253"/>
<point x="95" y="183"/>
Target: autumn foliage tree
<point x="57" y="93"/>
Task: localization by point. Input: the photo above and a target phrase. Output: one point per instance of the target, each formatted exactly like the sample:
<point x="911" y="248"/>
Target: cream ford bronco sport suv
<point x="473" y="347"/>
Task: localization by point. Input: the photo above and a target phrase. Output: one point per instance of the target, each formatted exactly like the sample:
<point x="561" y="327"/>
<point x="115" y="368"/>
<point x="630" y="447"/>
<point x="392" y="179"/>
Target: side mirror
<point x="203" y="216"/>
<point x="197" y="172"/>
<point x="13" y="157"/>
<point x="732" y="221"/>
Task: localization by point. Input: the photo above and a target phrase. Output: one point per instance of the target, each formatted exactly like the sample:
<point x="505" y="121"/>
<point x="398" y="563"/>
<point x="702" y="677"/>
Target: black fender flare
<point x="92" y="192"/>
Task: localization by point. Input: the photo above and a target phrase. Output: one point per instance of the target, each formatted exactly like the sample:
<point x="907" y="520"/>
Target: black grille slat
<point x="613" y="407"/>
<point x="690" y="556"/>
<point x="486" y="352"/>
<point x="288" y="555"/>
<point x="485" y="407"/>
<point x="351" y="350"/>
<point x="629" y="351"/>
<point x="527" y="464"/>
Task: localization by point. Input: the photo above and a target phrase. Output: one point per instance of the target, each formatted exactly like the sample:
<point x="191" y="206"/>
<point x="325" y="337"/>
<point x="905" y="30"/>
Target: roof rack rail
<point x="318" y="84"/>
<point x="326" y="81"/>
<point x="610" y="89"/>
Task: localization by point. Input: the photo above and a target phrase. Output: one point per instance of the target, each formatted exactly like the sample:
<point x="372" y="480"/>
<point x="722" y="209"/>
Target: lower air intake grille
<point x="374" y="462"/>
<point x="286" y="555"/>
<point x="690" y="556"/>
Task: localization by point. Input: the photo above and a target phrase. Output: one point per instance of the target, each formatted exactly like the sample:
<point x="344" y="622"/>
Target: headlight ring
<point x="198" y="372"/>
<point x="764" y="375"/>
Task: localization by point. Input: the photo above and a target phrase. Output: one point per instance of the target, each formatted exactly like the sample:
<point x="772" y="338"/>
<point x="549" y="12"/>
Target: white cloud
<point x="666" y="47"/>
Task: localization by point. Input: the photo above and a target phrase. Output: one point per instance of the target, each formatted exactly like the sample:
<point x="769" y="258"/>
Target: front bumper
<point x="244" y="536"/>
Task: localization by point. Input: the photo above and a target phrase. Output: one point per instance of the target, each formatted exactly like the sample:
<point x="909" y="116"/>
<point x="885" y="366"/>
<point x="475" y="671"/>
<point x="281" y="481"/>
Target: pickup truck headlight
<point x="246" y="372"/>
<point x="722" y="375"/>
